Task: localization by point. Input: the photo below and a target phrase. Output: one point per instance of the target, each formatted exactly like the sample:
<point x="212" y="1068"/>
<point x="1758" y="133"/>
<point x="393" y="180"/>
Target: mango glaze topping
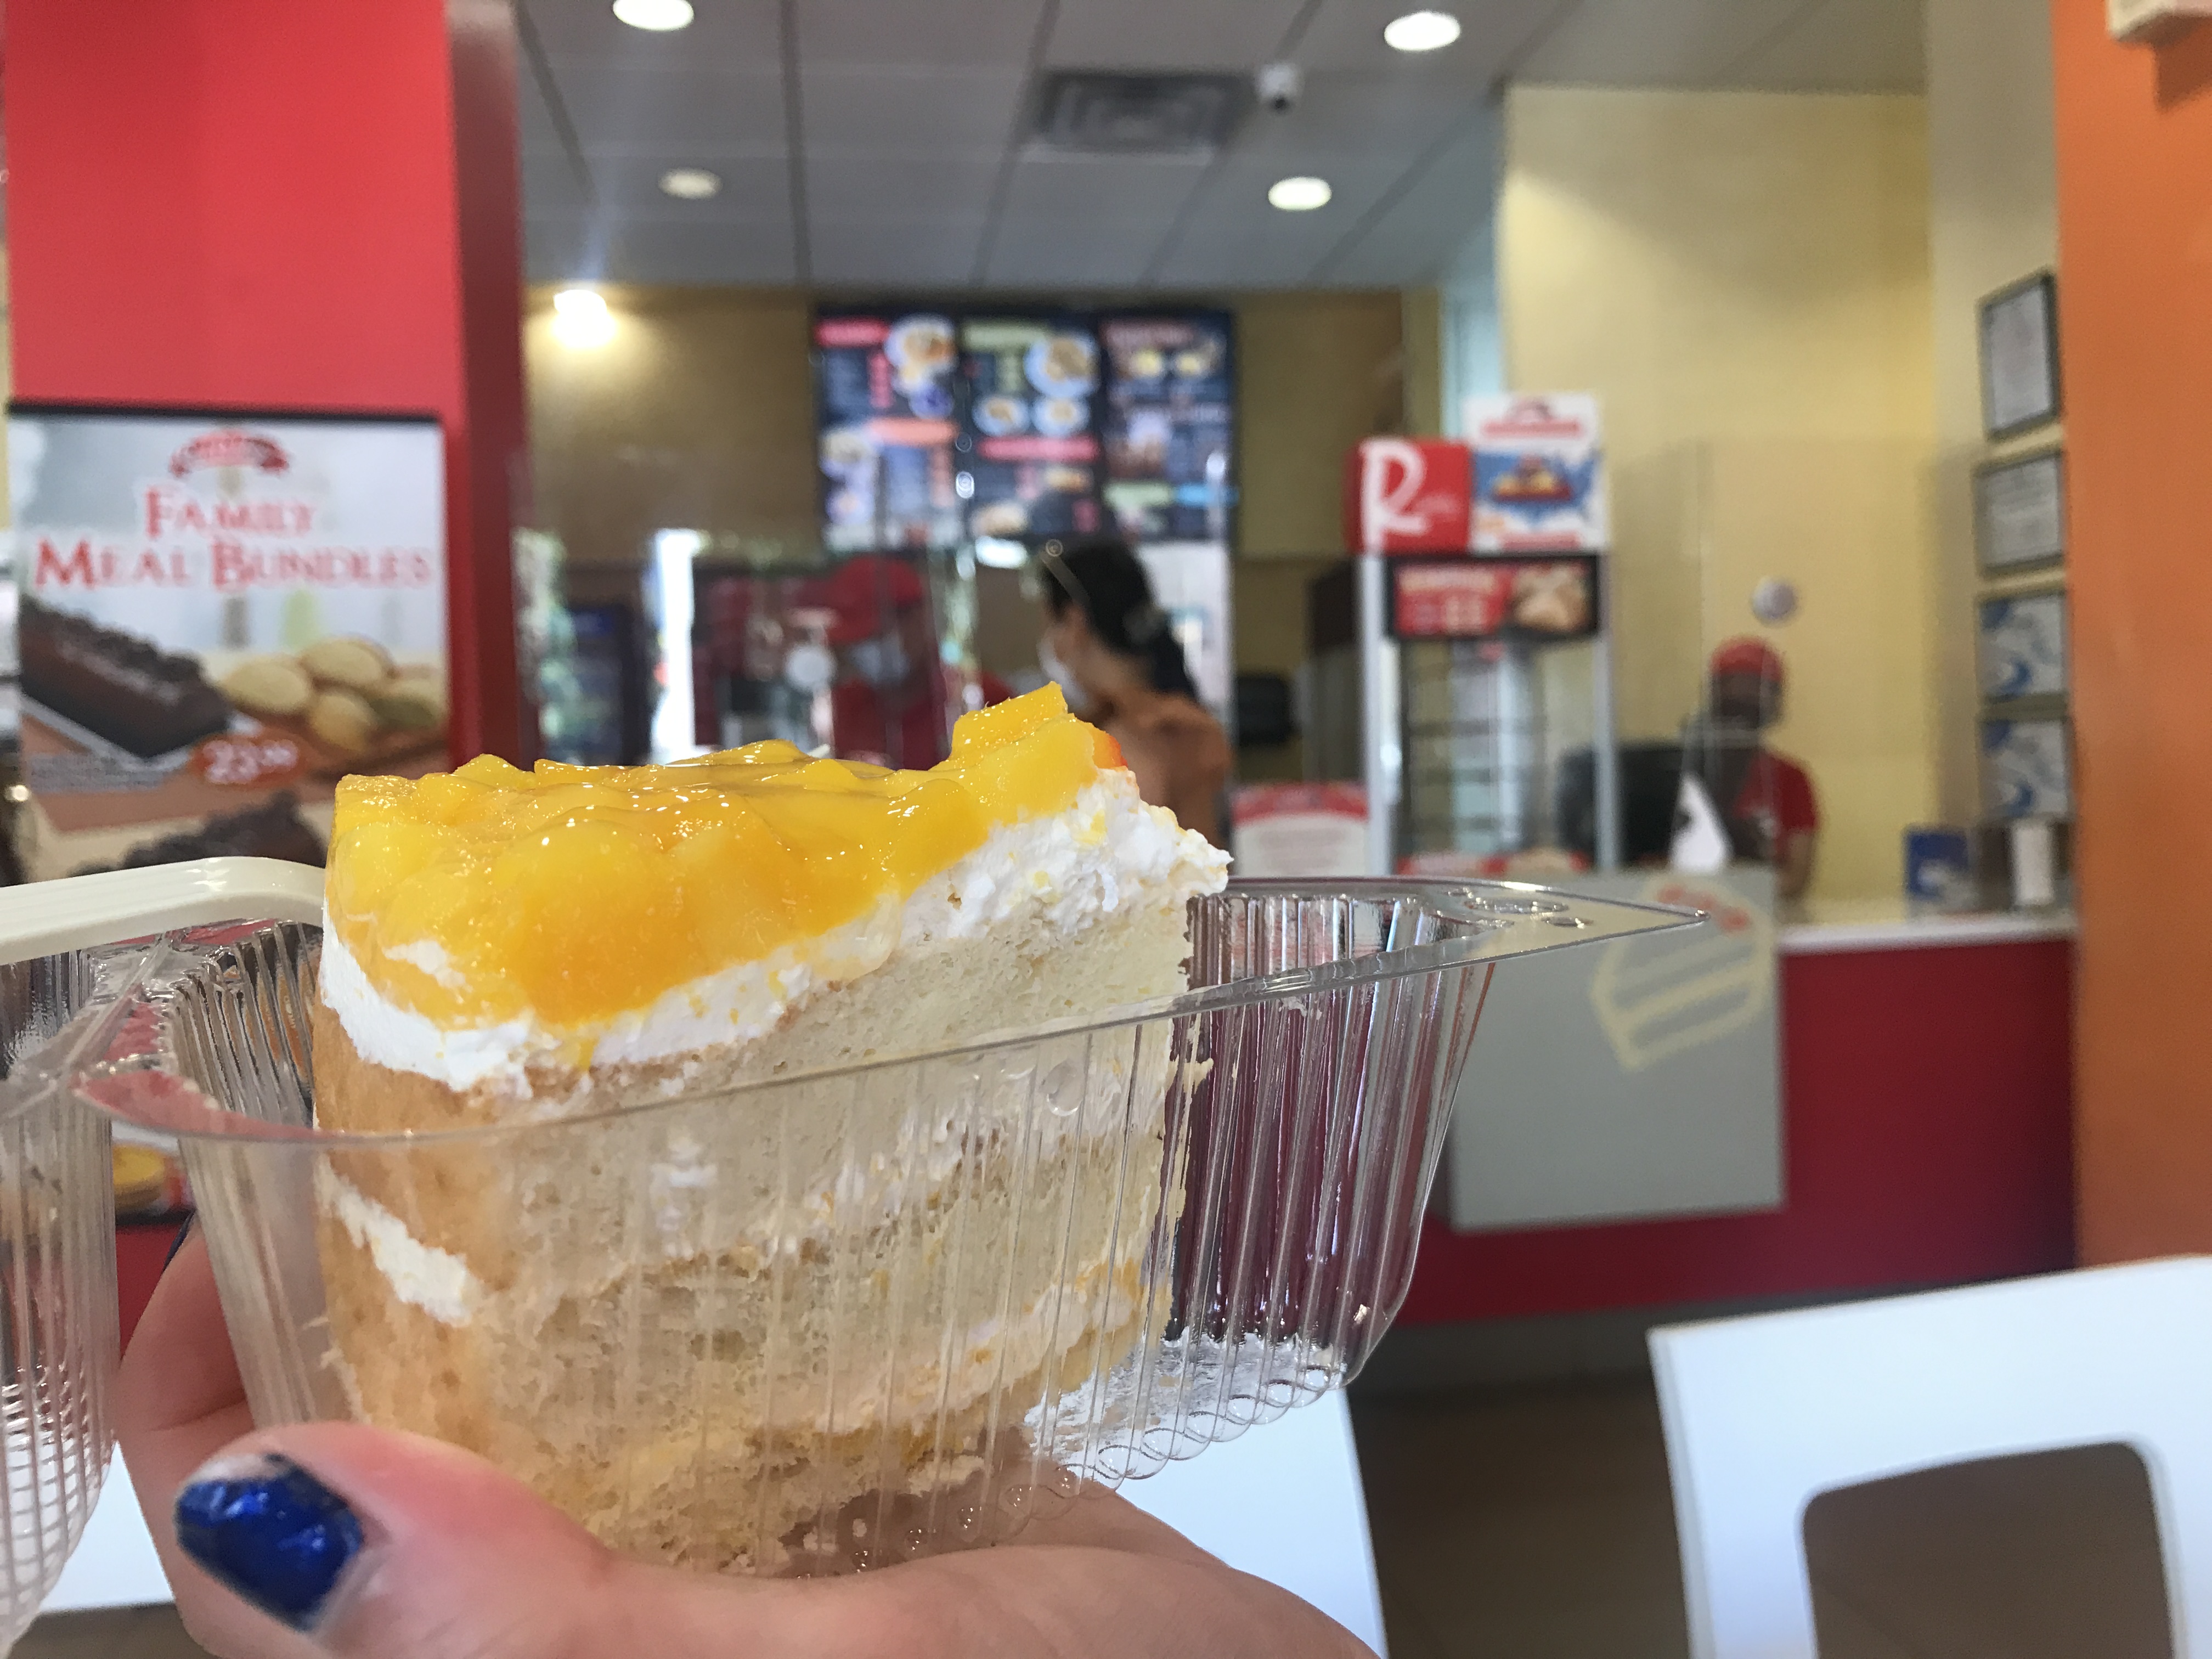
<point x="578" y="893"/>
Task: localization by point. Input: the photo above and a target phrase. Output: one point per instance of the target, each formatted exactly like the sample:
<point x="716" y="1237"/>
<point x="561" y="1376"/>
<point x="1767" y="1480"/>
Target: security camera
<point x="1279" y="85"/>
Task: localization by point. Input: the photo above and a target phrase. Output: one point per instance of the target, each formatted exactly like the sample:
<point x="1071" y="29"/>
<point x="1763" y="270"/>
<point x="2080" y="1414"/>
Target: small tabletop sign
<point x="1300" y="829"/>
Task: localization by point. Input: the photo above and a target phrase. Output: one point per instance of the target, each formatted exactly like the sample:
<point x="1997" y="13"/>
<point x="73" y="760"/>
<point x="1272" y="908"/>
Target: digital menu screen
<point x="886" y="395"/>
<point x="1033" y="466"/>
<point x="1169" y="426"/>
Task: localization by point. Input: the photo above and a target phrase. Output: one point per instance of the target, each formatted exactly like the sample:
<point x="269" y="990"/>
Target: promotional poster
<point x="1539" y="474"/>
<point x="220" y="616"/>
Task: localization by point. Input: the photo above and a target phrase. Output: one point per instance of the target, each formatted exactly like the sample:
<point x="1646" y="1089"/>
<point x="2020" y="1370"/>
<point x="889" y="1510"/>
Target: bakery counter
<point x="1924" y="1067"/>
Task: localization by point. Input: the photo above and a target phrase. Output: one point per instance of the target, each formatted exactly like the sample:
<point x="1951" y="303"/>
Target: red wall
<point x="1927" y="1140"/>
<point x="232" y="203"/>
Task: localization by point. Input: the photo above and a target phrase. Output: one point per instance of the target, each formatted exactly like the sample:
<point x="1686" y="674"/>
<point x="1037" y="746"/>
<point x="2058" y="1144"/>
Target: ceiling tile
<point x="707" y="107"/>
<point x="628" y="249"/>
<point x="1634" y="43"/>
<point x="910" y="109"/>
<point x="951" y="34"/>
<point x="860" y="185"/>
<point x="1865" y="45"/>
<point x="1347" y="35"/>
<point x="1362" y="113"/>
<point x="1118" y="186"/>
<point x="753" y="187"/>
<point x="556" y="247"/>
<point x="1072" y="250"/>
<point x="938" y="250"/>
<point x="1418" y="238"/>
<point x="533" y="117"/>
<point x="549" y="183"/>
<point x="1173" y="34"/>
<point x="727" y="33"/>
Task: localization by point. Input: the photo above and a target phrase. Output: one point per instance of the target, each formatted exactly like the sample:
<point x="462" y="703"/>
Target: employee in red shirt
<point x="1765" y="799"/>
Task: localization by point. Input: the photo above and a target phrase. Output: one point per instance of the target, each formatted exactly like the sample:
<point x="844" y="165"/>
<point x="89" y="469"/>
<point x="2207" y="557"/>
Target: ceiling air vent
<point x="1100" y="109"/>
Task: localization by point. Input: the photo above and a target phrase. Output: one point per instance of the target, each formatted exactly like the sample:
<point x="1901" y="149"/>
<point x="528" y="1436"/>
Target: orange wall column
<point x="2135" y="214"/>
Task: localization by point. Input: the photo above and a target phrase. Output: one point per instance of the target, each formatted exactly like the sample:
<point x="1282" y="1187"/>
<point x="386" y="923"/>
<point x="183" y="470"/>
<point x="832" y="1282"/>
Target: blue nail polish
<point x="270" y="1531"/>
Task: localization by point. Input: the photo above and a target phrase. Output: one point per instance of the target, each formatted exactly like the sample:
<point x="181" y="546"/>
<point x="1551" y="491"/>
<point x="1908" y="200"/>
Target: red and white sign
<point x="1300" y="829"/>
<point x="1408" y="496"/>
<point x="1455" y="601"/>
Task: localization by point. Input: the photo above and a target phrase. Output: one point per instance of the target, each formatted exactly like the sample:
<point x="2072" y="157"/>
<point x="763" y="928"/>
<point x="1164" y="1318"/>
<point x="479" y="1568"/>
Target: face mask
<point x="881" y="662"/>
<point x="1057" y="673"/>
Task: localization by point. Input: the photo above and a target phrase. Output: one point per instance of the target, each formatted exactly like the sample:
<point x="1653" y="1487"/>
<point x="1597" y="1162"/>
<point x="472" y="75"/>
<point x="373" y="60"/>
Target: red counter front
<point x="1927" y="1096"/>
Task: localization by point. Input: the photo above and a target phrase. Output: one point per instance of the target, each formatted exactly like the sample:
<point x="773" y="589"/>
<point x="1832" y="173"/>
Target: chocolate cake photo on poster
<point x="220" y="615"/>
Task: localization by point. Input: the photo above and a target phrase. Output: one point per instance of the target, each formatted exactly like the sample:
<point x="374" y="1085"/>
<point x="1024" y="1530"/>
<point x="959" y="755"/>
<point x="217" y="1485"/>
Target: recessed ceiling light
<point x="690" y="184"/>
<point x="1421" y="31"/>
<point x="580" y="317"/>
<point x="659" y="15"/>
<point x="1299" y="195"/>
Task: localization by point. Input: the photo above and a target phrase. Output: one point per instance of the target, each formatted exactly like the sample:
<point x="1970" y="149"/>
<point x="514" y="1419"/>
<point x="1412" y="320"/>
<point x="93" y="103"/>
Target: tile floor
<point x="1534" y="1522"/>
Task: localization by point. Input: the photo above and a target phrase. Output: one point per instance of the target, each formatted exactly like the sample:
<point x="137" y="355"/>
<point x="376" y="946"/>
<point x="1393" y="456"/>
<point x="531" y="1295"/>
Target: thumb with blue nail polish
<point x="263" y="1526"/>
<point x="339" y="1538"/>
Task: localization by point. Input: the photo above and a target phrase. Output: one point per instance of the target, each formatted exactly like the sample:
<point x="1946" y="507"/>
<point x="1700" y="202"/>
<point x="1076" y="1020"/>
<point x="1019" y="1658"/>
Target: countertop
<point x="1818" y="926"/>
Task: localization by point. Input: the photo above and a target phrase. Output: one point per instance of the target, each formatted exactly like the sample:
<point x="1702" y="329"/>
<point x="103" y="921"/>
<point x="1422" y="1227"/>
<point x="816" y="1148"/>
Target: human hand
<point x="332" y="1537"/>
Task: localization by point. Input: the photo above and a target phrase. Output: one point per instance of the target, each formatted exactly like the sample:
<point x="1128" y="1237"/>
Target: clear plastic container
<point x="57" y="1341"/>
<point x="845" y="1318"/>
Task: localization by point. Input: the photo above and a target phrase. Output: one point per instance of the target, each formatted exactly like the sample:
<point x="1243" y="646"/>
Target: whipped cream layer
<point x="1058" y="873"/>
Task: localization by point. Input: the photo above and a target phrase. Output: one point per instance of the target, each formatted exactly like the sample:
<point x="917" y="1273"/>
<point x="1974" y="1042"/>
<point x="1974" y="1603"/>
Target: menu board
<point x="886" y="391"/>
<point x="1168" y="425"/>
<point x="1535" y="599"/>
<point x="218" y="611"/>
<point x="1033" y="467"/>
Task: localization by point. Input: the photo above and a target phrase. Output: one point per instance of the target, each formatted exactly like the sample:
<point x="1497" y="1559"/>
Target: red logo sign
<point x="229" y="447"/>
<point x="1408" y="496"/>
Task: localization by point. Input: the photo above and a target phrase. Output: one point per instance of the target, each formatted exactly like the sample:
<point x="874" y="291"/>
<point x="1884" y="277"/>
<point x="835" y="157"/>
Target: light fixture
<point x="690" y="184"/>
<point x="659" y="15"/>
<point x="580" y="317"/>
<point x="1299" y="195"/>
<point x="1421" y="31"/>
<point x="1000" y="554"/>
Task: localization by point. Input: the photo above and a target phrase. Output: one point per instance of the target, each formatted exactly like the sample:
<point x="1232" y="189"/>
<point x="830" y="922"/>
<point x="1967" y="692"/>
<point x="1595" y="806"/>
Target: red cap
<point x="862" y="589"/>
<point x="1748" y="655"/>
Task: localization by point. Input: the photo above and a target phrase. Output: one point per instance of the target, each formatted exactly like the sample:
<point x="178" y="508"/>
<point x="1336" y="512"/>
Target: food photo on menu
<point x="1032" y="388"/>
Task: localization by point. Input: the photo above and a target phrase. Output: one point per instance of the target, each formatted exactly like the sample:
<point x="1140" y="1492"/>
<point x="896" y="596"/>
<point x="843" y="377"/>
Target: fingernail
<point x="271" y="1532"/>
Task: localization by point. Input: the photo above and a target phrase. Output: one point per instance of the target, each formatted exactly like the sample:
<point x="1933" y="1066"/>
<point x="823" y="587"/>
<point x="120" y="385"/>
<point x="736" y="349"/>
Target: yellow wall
<point x="1993" y="219"/>
<point x="700" y="412"/>
<point x="1743" y="279"/>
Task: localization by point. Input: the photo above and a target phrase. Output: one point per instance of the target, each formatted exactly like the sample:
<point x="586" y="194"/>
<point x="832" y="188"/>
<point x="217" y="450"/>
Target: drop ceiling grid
<point x="912" y="110"/>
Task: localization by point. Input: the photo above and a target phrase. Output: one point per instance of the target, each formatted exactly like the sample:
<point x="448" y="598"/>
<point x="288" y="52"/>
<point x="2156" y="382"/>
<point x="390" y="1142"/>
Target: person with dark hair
<point x="1108" y="644"/>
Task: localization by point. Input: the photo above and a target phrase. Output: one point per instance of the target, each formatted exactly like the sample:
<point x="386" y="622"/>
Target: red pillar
<point x="230" y="204"/>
